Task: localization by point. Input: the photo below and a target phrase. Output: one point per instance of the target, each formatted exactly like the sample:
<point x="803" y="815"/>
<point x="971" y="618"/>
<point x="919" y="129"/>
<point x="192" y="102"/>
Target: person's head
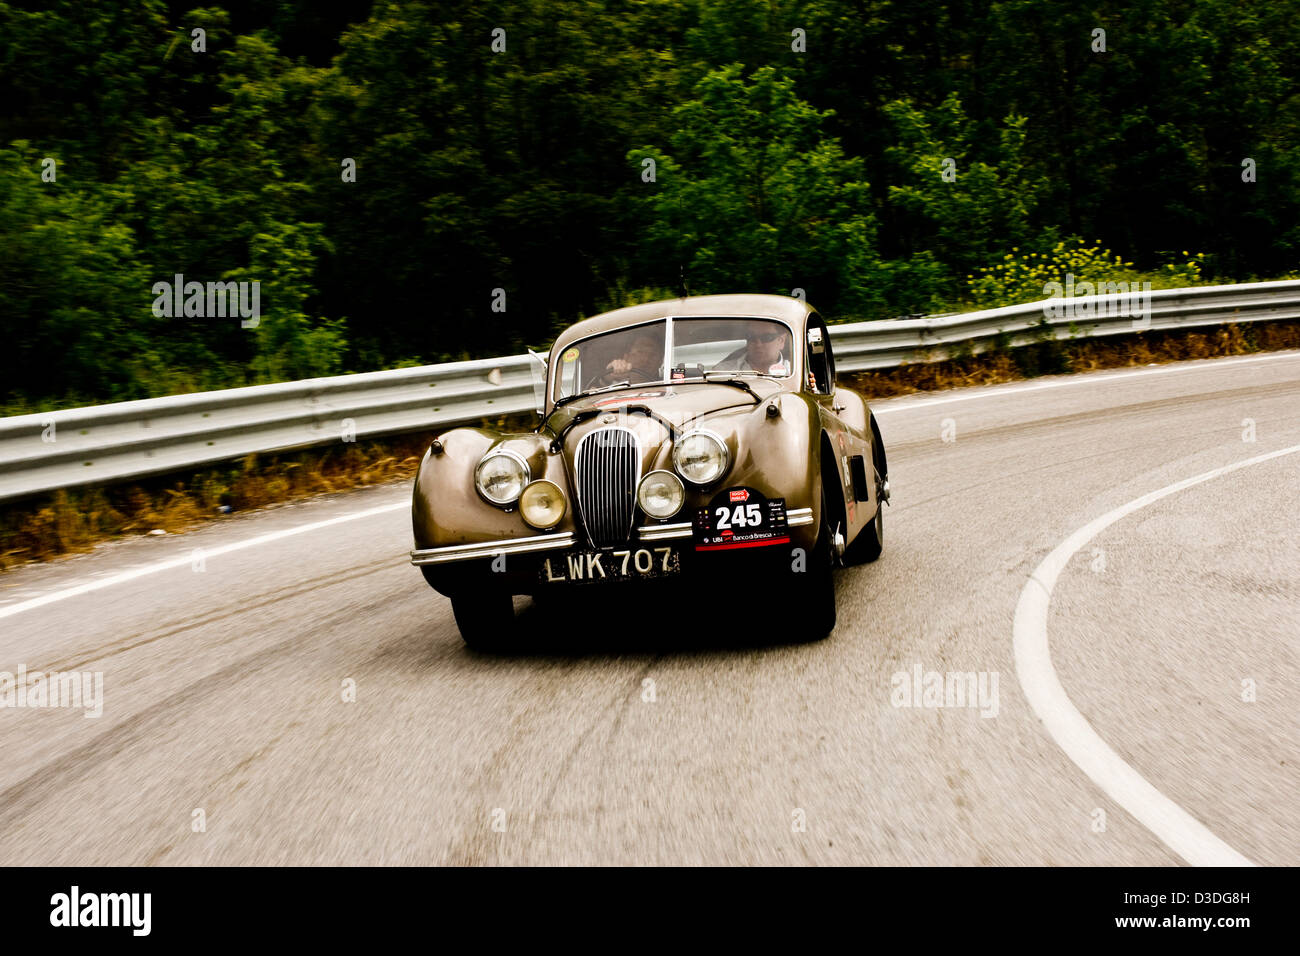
<point x="644" y="353"/>
<point x="763" y="344"/>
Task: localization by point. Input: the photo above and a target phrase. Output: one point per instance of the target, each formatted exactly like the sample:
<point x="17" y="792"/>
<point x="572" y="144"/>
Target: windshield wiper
<point x="591" y="391"/>
<point x="740" y="372"/>
<point x="732" y="377"/>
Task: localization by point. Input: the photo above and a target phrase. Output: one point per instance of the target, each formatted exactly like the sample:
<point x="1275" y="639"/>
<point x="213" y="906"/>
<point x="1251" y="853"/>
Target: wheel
<point x="631" y="376"/>
<point x="813" y="598"/>
<point x="486" y="619"/>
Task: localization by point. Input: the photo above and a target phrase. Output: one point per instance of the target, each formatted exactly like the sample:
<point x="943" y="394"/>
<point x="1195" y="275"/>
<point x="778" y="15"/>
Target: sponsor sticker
<point x="740" y="518"/>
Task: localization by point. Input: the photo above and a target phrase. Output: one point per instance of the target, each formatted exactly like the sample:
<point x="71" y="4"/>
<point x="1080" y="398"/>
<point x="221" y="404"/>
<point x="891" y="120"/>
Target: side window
<point x="568" y="372"/>
<point x="830" y="354"/>
<point x="820" y="362"/>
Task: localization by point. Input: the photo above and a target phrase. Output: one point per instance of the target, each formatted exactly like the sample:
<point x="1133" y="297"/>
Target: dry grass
<point x="76" y="519"/>
<point x="1085" y="355"/>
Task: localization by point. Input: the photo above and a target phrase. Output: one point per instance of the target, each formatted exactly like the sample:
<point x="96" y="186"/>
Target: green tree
<point x="961" y="207"/>
<point x="752" y="195"/>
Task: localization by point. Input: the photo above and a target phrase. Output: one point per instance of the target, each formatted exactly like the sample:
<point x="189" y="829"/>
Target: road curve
<point x="226" y="737"/>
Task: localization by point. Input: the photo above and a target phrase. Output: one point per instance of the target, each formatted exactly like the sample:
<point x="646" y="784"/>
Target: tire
<point x="813" y="598"/>
<point x="486" y="620"/>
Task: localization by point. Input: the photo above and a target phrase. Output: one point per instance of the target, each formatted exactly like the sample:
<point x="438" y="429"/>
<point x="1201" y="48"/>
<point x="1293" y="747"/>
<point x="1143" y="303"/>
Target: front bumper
<point x="795" y="518"/>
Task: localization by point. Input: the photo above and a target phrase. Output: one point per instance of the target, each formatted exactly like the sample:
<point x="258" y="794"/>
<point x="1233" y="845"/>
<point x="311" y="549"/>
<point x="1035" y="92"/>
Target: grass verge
<point x="1000" y="364"/>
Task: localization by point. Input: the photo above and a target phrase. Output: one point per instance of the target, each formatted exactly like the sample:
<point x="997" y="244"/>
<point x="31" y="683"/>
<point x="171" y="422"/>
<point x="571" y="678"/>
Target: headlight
<point x="542" y="504"/>
<point x="661" y="494"/>
<point x="500" y="477"/>
<point x="700" y="457"/>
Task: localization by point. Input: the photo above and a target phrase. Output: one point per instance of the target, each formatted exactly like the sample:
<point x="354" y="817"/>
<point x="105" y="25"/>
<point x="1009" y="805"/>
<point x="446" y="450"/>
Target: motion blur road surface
<point x="697" y="739"/>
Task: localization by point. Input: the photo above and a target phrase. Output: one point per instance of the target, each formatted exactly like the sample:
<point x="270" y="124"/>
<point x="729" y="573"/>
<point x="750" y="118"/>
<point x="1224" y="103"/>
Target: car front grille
<point x="607" y="466"/>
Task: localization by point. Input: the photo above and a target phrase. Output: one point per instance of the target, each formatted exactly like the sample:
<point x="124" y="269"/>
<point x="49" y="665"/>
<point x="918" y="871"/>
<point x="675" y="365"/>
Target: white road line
<point x="186" y="559"/>
<point x="1085" y="378"/>
<point x="1179" y="830"/>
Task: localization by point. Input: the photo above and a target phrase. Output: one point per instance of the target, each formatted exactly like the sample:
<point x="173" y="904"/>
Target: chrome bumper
<point x="794" y="518"/>
<point x="490" y="549"/>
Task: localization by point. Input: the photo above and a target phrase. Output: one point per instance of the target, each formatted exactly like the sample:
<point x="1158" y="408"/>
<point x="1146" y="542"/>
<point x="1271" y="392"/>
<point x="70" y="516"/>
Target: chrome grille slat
<point x="607" y="466"/>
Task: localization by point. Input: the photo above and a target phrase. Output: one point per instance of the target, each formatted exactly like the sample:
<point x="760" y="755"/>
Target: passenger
<point x="764" y="351"/>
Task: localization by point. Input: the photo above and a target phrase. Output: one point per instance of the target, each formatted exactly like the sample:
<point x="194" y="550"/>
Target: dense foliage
<point x="885" y="157"/>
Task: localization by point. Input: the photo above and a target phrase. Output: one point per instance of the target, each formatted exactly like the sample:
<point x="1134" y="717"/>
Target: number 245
<point x="743" y="517"/>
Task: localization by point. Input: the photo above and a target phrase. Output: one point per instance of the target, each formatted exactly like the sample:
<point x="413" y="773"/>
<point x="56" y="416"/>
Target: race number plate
<point x="740" y="518"/>
<point x="625" y="564"/>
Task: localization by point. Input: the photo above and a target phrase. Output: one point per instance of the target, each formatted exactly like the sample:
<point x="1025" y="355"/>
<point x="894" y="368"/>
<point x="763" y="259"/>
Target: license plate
<point x="625" y="564"/>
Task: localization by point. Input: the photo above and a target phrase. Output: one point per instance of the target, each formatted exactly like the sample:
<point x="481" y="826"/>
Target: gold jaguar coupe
<point x="701" y="438"/>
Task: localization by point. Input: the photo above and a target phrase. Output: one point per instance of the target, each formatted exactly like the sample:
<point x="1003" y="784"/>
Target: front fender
<point x="447" y="510"/>
<point x="780" y="456"/>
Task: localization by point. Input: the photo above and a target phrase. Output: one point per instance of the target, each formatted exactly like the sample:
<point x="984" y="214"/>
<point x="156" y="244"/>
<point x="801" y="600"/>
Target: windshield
<point x="636" y="355"/>
<point x="730" y="345"/>
<point x="633" y="355"/>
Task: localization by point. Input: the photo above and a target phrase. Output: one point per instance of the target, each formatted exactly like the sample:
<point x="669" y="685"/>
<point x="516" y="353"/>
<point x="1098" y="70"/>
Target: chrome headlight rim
<point x="523" y="483"/>
<point x="681" y="488"/>
<point x="722" y="448"/>
<point x="559" y="493"/>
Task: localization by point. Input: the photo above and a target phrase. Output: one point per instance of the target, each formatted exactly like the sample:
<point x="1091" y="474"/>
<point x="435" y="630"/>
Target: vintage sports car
<point x="689" y="439"/>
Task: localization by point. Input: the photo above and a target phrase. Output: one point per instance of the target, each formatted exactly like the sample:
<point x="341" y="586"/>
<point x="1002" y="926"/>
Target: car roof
<point x="784" y="307"/>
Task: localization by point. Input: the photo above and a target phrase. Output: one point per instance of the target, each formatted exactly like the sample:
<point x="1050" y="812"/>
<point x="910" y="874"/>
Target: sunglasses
<point x="763" y="336"/>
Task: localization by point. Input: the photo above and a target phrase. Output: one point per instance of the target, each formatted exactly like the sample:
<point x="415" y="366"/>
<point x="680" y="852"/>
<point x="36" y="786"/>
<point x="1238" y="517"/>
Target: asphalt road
<point x="699" y="740"/>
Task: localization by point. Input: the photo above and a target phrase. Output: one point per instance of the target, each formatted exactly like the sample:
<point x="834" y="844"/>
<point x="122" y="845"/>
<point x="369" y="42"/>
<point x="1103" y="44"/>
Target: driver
<point x="638" y="364"/>
<point x="764" y="351"/>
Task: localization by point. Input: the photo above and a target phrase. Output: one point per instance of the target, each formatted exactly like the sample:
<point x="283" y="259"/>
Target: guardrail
<point x="862" y="346"/>
<point x="102" y="444"/>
